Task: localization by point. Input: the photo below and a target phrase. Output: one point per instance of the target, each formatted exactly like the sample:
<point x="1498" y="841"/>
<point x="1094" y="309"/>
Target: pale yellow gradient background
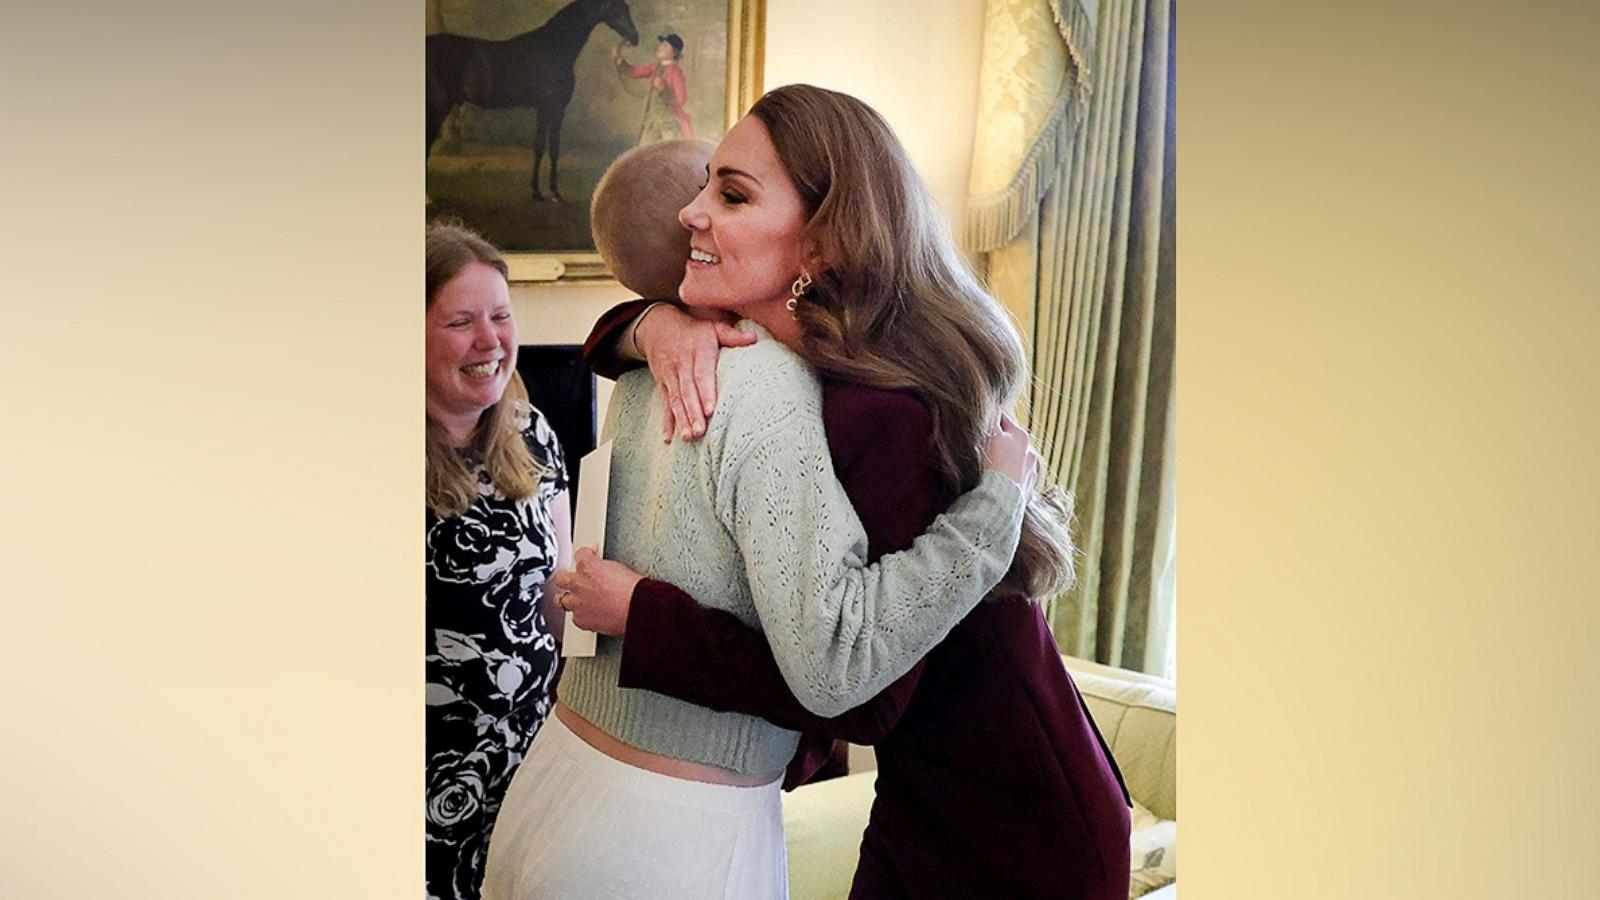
<point x="1388" y="430"/>
<point x="214" y="617"/>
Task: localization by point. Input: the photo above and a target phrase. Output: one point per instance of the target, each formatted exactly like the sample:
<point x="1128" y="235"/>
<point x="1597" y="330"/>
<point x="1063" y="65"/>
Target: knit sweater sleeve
<point x="841" y="630"/>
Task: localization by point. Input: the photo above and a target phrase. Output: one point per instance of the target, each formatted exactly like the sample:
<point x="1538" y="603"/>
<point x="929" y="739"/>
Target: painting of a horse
<point x="533" y="69"/>
<point x="529" y="101"/>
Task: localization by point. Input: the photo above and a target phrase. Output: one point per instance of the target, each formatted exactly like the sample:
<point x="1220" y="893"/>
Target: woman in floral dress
<point x="498" y="524"/>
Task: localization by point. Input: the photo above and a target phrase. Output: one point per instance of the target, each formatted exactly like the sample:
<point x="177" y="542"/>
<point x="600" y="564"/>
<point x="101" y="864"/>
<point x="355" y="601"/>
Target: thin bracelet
<point x="633" y="332"/>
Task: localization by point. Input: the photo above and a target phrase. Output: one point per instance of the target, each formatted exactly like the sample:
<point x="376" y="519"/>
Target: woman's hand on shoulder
<point x="597" y="592"/>
<point x="1010" y="452"/>
<point x="682" y="351"/>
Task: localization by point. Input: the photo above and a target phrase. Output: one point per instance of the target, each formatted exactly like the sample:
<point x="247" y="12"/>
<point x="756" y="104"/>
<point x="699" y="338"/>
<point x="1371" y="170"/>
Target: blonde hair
<point x="497" y="439"/>
<point x="896" y="306"/>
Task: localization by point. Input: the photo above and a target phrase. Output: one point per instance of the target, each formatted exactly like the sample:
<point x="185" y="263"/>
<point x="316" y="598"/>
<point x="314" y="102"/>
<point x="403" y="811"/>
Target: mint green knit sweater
<point x="751" y="519"/>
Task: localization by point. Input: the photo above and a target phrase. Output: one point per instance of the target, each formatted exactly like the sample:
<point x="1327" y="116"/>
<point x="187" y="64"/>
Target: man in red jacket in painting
<point x="670" y="90"/>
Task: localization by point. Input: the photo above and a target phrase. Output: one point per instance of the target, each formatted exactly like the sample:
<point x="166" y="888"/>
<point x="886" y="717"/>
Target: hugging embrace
<point x="821" y="526"/>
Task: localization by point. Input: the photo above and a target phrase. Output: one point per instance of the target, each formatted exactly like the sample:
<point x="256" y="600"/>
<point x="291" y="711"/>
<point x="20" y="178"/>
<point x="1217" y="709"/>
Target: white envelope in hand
<point x="589" y="530"/>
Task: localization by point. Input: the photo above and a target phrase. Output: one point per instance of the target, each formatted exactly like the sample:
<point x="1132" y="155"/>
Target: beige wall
<point x="915" y="61"/>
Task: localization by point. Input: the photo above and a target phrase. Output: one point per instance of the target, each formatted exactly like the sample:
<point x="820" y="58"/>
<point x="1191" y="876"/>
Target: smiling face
<point x="471" y="345"/>
<point x="744" y="228"/>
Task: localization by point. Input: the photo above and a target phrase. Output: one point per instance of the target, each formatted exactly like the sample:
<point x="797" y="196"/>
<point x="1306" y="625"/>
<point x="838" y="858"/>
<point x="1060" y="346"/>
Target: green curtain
<point x="1072" y="209"/>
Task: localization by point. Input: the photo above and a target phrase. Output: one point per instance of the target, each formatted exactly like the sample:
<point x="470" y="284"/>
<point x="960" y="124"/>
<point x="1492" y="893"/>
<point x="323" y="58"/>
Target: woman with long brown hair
<point x="630" y="793"/>
<point x="498" y="524"/>
<point x="992" y="778"/>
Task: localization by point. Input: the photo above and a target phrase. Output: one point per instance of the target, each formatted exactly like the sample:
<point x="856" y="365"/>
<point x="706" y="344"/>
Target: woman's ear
<point x="815" y="257"/>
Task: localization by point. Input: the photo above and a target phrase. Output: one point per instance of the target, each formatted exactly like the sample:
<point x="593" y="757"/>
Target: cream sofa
<point x="1137" y="714"/>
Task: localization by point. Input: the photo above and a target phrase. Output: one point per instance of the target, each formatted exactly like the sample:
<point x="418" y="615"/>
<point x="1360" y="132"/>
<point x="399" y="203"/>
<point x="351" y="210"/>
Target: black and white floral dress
<point x="491" y="660"/>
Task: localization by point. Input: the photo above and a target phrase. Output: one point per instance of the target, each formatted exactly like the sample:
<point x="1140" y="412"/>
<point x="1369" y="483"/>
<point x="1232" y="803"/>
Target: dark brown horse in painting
<point x="532" y="69"/>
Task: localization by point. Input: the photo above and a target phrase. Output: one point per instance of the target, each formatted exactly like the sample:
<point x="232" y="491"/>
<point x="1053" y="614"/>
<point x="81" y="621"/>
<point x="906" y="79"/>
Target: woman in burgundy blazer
<point x="992" y="779"/>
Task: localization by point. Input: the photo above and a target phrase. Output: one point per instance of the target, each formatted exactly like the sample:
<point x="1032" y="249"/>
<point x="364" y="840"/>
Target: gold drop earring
<point x="801" y="287"/>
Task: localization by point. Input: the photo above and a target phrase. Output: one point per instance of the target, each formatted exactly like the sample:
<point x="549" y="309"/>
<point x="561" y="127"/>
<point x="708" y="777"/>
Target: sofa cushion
<point x="822" y="825"/>
<point x="1153" y="860"/>
<point x="1138" y="716"/>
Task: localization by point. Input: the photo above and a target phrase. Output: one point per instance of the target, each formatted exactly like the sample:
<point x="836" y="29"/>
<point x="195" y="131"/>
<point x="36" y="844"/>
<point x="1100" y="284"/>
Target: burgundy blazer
<point x="992" y="778"/>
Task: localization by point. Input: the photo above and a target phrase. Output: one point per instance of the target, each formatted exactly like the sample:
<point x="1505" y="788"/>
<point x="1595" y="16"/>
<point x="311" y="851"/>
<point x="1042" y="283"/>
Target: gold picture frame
<point x="463" y="171"/>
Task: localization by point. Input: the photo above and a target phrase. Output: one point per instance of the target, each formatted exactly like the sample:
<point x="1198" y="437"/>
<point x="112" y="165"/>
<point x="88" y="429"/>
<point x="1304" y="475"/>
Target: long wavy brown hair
<point x="894" y="305"/>
<point x="497" y="441"/>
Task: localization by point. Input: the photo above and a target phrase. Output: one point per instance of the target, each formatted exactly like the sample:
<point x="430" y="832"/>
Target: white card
<point x="589" y="530"/>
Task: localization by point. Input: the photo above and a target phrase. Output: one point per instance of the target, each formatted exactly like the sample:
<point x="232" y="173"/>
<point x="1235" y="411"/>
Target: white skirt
<point x="579" y="825"/>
